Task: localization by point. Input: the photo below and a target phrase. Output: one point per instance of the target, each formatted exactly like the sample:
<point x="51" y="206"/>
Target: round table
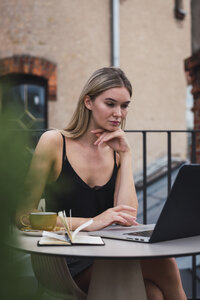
<point x="115" y="258"/>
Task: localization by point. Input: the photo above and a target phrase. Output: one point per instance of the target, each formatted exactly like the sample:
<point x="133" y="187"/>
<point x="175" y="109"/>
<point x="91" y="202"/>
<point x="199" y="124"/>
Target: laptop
<point x="179" y="218"/>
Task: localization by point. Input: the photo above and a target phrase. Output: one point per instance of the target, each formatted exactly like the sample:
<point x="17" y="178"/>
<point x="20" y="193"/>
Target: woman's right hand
<point x="118" y="214"/>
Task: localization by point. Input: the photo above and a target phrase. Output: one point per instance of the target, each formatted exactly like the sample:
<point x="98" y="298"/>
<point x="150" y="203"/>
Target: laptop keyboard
<point x="146" y="233"/>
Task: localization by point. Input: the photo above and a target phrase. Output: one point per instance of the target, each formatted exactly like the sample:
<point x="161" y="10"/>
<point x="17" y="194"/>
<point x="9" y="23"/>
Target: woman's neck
<point x="89" y="138"/>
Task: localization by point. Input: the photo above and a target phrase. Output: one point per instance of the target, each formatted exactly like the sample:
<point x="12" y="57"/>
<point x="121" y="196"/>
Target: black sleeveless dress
<point x="69" y="191"/>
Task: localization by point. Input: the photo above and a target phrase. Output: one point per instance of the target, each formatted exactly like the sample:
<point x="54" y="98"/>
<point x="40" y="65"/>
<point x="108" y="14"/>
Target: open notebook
<point x="68" y="237"/>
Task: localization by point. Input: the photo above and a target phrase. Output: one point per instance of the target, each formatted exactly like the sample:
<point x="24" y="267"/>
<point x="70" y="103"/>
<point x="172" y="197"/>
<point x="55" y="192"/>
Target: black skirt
<point x="78" y="265"/>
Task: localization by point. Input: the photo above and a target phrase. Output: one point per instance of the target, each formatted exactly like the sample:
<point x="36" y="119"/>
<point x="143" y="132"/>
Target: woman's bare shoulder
<point x="49" y="143"/>
<point x="51" y="136"/>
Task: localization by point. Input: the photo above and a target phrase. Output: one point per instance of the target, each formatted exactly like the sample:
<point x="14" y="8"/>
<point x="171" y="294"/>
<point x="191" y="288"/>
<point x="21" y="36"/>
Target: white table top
<point x="114" y="249"/>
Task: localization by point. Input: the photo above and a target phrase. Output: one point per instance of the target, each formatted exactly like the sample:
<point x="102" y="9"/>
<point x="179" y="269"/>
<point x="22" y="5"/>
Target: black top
<point x="69" y="191"/>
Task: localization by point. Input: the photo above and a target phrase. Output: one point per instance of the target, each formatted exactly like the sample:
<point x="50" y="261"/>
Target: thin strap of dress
<point x="64" y="148"/>
<point x="115" y="158"/>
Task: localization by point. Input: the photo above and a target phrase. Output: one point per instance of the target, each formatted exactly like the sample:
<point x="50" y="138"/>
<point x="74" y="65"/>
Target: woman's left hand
<point x="114" y="139"/>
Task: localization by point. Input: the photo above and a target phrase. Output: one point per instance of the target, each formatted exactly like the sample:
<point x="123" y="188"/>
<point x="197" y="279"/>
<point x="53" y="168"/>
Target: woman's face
<point x="109" y="109"/>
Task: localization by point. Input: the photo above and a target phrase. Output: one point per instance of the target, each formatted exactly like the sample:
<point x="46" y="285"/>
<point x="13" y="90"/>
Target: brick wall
<point x="26" y="64"/>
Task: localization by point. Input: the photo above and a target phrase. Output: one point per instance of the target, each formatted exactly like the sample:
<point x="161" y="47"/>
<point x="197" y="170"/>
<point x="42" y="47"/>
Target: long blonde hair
<point x="100" y="81"/>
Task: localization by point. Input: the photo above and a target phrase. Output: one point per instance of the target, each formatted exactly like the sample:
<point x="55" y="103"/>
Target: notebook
<point x="179" y="218"/>
<point x="69" y="237"/>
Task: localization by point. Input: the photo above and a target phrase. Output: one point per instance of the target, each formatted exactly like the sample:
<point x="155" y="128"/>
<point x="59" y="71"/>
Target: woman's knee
<point x="164" y="273"/>
<point x="170" y="270"/>
<point x="153" y="292"/>
<point x="163" y="270"/>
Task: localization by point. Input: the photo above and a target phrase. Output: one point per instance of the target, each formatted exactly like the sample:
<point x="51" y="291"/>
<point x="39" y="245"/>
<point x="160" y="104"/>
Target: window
<point x="25" y="96"/>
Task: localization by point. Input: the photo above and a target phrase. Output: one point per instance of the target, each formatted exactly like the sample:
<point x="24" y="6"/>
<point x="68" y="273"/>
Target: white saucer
<point x="34" y="232"/>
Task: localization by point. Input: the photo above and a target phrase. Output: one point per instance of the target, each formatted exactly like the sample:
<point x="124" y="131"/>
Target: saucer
<point x="34" y="232"/>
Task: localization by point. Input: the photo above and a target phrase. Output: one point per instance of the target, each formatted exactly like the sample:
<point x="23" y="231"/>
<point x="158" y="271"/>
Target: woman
<point x="87" y="168"/>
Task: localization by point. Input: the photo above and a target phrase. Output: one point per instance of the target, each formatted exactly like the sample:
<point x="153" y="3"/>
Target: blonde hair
<point x="100" y="81"/>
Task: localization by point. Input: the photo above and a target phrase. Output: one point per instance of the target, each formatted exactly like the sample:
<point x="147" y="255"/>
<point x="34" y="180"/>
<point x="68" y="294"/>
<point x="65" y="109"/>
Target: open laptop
<point x="180" y="216"/>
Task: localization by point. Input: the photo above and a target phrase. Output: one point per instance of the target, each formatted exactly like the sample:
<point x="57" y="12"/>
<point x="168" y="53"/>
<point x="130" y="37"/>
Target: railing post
<point x="194" y="277"/>
<point x="193" y="156"/>
<point x="193" y="160"/>
<point x="169" y="160"/>
<point x="144" y="177"/>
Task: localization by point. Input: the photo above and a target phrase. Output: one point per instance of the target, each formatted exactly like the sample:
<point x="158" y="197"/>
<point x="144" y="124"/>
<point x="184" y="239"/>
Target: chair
<point x="54" y="277"/>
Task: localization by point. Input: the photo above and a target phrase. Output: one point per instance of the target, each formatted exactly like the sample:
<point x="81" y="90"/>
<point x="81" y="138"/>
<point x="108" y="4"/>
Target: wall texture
<point x="153" y="48"/>
<point x="75" y="36"/>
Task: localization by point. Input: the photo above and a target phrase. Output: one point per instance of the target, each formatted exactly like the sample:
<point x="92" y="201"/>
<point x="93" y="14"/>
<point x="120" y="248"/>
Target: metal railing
<point x="169" y="178"/>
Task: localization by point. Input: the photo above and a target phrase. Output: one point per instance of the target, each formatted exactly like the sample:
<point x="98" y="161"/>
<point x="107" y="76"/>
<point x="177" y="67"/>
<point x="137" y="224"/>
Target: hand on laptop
<point x="118" y="214"/>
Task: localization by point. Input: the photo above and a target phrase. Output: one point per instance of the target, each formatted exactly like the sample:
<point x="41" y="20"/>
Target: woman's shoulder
<point x="50" y="142"/>
<point x="51" y="136"/>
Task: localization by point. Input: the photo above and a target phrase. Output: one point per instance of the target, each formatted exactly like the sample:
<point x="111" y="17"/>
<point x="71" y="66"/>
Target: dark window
<point x="26" y="97"/>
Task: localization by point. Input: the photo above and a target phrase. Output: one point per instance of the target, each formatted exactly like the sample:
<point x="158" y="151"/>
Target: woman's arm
<point x="121" y="214"/>
<point x="125" y="192"/>
<point x="125" y="198"/>
<point x="124" y="189"/>
<point x="40" y="171"/>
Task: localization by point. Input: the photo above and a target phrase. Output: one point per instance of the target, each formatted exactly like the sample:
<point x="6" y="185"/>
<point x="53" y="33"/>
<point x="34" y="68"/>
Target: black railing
<point x="169" y="133"/>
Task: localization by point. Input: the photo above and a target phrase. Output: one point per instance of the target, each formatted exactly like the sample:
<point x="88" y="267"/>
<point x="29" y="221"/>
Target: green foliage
<point x="13" y="168"/>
